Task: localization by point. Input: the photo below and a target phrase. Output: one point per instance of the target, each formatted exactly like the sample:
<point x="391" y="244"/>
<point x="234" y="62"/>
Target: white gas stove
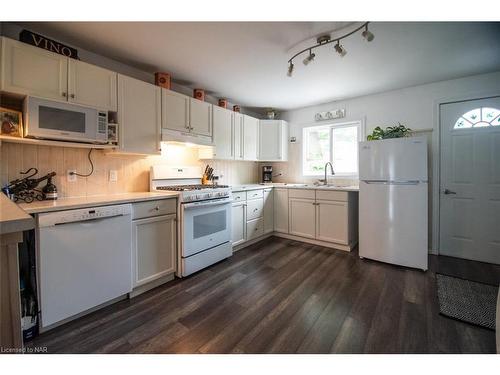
<point x="205" y="216"/>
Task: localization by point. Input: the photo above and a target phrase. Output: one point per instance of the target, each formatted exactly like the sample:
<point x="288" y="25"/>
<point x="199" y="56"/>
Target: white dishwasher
<point x="84" y="260"/>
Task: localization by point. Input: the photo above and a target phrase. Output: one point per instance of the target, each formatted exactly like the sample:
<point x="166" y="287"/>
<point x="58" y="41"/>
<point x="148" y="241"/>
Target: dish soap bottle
<point x="50" y="190"/>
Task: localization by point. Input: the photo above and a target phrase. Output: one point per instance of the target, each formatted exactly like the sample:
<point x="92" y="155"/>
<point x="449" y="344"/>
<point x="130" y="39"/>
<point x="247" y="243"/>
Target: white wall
<point x="416" y="107"/>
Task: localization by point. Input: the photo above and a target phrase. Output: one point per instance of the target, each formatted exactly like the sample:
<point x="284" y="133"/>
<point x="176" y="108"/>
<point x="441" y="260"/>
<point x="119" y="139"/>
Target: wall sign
<point x="40" y="41"/>
<point x="330" y="115"/>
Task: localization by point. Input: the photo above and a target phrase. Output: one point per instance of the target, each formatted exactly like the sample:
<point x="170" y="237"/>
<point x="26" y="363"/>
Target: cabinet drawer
<point x="255" y="194"/>
<point x="255" y="208"/>
<point x="154" y="208"/>
<point x="331" y="195"/>
<point x="255" y="228"/>
<point x="239" y="196"/>
<point x="301" y="193"/>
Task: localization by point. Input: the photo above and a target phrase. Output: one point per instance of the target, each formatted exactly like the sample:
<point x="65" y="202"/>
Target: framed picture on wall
<point x="11" y="122"/>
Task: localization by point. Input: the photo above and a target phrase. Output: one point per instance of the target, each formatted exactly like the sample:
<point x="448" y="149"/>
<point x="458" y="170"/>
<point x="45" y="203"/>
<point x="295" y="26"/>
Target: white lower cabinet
<point x="280" y="210"/>
<point x="255" y="228"/>
<point x="154" y="236"/>
<point x="239" y="223"/>
<point x="302" y="213"/>
<point x="268" y="211"/>
<point x="331" y="221"/>
<point x="313" y="214"/>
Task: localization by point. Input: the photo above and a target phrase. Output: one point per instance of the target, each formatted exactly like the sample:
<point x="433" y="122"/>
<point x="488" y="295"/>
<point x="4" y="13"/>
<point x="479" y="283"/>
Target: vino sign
<point x="40" y="41"/>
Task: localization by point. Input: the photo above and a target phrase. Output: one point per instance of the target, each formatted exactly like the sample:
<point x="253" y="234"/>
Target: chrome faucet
<point x="325" y="181"/>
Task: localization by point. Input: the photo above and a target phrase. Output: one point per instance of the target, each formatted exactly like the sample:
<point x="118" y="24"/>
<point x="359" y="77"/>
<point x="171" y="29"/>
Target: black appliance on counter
<point x="267" y="174"/>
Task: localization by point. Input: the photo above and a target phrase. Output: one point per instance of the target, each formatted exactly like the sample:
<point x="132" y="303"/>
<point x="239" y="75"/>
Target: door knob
<point x="447" y="192"/>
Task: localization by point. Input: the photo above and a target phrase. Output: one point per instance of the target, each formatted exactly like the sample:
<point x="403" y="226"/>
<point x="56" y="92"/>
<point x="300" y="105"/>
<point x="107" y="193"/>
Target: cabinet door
<point x="92" y="86"/>
<point x="139" y="115"/>
<point x="250" y="138"/>
<point x="29" y="70"/>
<point x="154" y="247"/>
<point x="271" y="134"/>
<point x="238" y="135"/>
<point x="302" y="217"/>
<point x="268" y="210"/>
<point x="200" y="117"/>
<point x="174" y="111"/>
<point x="223" y="133"/>
<point x="281" y="210"/>
<point x="239" y="223"/>
<point x="331" y="221"/>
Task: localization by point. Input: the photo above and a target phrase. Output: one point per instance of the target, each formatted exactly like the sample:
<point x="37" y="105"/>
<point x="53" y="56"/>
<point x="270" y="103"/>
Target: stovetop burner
<point x="191" y="187"/>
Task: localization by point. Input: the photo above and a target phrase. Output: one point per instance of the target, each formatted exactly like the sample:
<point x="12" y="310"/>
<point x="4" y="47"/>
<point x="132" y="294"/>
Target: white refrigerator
<point x="393" y="201"/>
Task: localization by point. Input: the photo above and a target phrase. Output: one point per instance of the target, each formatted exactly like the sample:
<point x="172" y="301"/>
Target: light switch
<point x="113" y="175"/>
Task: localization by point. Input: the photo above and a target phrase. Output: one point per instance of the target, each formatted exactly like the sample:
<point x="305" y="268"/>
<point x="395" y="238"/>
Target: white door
<point x="139" y="116"/>
<point x="331" y="221"/>
<point x="302" y="217"/>
<point x="271" y="140"/>
<point x="470" y="180"/>
<point x="174" y="111"/>
<point x="268" y="210"/>
<point x="223" y="133"/>
<point x="281" y="210"/>
<point x="92" y="86"/>
<point x="29" y="70"/>
<point x="153" y="248"/>
<point x="250" y="137"/>
<point x="239" y="223"/>
<point x="200" y="117"/>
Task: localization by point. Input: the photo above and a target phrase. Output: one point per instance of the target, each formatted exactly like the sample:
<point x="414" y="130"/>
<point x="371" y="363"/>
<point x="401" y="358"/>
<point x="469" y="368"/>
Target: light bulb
<point x="290" y="69"/>
<point x="367" y="35"/>
<point x="340" y="49"/>
<point x="309" y="58"/>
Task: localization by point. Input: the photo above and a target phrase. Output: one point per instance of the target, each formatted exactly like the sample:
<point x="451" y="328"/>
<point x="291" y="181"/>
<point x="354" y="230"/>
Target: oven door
<point x="205" y="225"/>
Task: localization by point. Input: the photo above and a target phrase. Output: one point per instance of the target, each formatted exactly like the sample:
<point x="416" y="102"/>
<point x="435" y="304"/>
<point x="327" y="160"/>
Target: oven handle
<point x="217" y="202"/>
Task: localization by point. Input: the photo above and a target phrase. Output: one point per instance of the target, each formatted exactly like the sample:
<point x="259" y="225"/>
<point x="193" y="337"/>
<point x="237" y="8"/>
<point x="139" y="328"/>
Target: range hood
<point x="168" y="135"/>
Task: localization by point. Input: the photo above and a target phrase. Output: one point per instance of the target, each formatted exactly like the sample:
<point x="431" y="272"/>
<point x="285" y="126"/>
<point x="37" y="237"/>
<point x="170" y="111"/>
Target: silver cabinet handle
<point x="447" y="192"/>
<point x="64" y="94"/>
<point x="72" y="96"/>
<point x="157" y="208"/>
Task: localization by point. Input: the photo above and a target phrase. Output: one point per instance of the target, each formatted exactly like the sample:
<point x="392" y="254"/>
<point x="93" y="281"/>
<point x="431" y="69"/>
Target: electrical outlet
<point x="113" y="175"/>
<point x="70" y="176"/>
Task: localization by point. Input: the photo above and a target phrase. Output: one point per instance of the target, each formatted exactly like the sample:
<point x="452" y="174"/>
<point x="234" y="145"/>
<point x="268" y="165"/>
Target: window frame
<point x="332" y="125"/>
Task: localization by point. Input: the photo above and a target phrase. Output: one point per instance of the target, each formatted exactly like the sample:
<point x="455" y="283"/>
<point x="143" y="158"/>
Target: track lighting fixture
<point x="340" y="49"/>
<point x="326" y="39"/>
<point x="367" y="34"/>
<point x="309" y="58"/>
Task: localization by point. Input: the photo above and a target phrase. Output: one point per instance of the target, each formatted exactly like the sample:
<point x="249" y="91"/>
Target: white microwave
<point x="48" y="119"/>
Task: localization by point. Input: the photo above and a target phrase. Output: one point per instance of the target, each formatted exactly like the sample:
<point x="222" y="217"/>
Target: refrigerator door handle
<point x="392" y="182"/>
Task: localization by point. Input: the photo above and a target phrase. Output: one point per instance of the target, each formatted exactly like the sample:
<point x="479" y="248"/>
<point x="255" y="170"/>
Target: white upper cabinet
<point x="250" y="138"/>
<point x="175" y="110"/>
<point x="238" y="135"/>
<point x="139" y="116"/>
<point x="273" y="140"/>
<point x="29" y="70"/>
<point x="223" y="133"/>
<point x="92" y="86"/>
<point x="200" y="117"/>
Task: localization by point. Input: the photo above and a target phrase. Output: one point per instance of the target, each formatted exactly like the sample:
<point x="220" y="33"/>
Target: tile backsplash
<point x="132" y="170"/>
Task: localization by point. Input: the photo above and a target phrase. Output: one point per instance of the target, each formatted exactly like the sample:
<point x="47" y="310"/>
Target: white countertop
<point x="353" y="188"/>
<point x="91" y="201"/>
<point x="12" y="218"/>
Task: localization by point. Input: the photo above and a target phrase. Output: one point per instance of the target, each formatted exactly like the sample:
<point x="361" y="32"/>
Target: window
<point x="478" y="118"/>
<point x="335" y="143"/>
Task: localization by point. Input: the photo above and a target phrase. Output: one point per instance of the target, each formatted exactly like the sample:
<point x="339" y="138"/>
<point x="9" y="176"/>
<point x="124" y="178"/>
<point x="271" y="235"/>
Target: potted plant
<point x="398" y="131"/>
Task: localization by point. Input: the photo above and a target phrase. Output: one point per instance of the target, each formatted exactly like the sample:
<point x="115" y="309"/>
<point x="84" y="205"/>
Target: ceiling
<point x="246" y="62"/>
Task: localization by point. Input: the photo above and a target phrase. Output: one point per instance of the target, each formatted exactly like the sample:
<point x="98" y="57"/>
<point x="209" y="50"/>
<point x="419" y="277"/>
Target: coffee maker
<point x="267" y="174"/>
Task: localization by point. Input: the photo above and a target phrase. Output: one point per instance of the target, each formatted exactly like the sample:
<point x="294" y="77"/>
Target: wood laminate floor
<point x="283" y="296"/>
